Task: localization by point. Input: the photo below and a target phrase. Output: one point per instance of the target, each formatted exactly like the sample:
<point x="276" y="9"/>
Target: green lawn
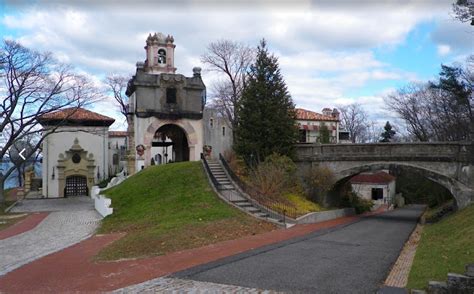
<point x="168" y="208"/>
<point x="446" y="246"/>
<point x="8" y="219"/>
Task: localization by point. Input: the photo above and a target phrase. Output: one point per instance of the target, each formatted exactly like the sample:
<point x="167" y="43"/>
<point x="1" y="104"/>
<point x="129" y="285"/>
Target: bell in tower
<point x="160" y="54"/>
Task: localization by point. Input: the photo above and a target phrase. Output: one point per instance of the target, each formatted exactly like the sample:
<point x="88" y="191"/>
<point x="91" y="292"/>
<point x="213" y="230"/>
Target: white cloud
<point x="324" y="48"/>
<point x="443" y="49"/>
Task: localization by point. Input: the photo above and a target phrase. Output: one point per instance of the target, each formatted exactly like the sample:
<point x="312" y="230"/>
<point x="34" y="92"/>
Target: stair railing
<point x="267" y="205"/>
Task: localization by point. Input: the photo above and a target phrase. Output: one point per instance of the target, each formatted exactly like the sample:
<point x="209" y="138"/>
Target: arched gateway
<point x="165" y="108"/>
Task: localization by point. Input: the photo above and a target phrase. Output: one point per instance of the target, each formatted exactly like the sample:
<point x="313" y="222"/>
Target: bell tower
<point x="159" y="54"/>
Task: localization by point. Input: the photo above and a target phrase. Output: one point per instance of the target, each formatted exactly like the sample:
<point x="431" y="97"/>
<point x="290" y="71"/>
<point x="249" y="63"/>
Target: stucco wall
<point x="151" y="92"/>
<point x="365" y="191"/>
<point x="114" y="147"/>
<point x="92" y="139"/>
<point x="214" y="135"/>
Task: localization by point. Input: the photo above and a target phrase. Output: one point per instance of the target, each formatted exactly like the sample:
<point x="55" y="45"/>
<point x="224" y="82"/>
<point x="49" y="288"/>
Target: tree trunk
<point x="2" y="192"/>
<point x="20" y="182"/>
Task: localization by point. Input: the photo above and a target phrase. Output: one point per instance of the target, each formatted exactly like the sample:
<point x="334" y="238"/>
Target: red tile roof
<point x="118" y="134"/>
<point x="76" y="115"/>
<point x="376" y="178"/>
<point x="303" y="114"/>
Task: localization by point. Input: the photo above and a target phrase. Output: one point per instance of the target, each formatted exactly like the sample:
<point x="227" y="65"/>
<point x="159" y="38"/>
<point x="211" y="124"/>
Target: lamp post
<point x="163" y="140"/>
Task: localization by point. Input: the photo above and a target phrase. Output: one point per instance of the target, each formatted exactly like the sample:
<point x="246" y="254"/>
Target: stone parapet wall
<point x="450" y="164"/>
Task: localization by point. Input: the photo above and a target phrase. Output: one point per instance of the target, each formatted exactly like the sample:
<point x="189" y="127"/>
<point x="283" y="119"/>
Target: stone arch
<point x="188" y="129"/>
<point x="461" y="193"/>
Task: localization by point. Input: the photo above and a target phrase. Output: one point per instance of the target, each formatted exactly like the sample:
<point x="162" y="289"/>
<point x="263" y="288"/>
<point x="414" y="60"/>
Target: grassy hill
<point x="446" y="246"/>
<point x="169" y="208"/>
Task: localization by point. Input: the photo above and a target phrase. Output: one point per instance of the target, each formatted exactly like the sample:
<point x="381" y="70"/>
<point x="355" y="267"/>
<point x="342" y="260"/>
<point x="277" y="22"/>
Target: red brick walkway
<point x="27" y="224"/>
<point x="72" y="269"/>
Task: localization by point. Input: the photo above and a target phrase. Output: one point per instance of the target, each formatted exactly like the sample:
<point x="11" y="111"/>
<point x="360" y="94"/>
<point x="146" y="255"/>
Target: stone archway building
<point x="159" y="97"/>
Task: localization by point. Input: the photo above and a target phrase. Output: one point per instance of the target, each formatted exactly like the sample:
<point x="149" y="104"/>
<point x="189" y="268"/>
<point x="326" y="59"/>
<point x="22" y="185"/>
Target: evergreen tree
<point x="388" y="133"/>
<point x="266" y="113"/>
<point x="324" y="134"/>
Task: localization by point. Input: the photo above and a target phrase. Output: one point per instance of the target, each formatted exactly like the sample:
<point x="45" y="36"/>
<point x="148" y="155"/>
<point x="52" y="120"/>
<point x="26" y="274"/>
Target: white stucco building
<point x="218" y="135"/>
<point x="379" y="186"/>
<point x="76" y="156"/>
<point x="117" y="147"/>
<point x="310" y="124"/>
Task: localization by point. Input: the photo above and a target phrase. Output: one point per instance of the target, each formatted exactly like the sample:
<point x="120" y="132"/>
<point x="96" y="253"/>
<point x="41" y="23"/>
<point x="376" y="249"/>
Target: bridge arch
<point x="459" y="191"/>
<point x="450" y="164"/>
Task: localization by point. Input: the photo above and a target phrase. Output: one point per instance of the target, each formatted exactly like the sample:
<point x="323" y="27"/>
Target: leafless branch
<point x="33" y="84"/>
<point x="232" y="60"/>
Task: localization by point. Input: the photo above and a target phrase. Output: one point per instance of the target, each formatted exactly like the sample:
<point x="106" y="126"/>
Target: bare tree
<point x="27" y="143"/>
<point x="117" y="84"/>
<point x="33" y="84"/>
<point x="354" y="119"/>
<point x="410" y="104"/>
<point x="464" y="11"/>
<point x="232" y="59"/>
<point x="371" y="133"/>
<point x="438" y="111"/>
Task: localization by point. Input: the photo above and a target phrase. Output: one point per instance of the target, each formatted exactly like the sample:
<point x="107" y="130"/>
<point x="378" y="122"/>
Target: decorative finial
<point x="196" y="71"/>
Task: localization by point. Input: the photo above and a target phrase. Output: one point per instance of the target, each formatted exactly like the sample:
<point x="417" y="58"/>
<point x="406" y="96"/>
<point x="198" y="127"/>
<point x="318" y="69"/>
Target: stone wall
<point x="456" y="283"/>
<point x="316" y="217"/>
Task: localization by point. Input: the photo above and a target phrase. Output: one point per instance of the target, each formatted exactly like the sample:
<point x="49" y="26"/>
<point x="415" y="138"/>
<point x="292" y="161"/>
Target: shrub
<point x="102" y="184"/>
<point x="273" y="177"/>
<point x="318" y="181"/>
<point x="361" y="205"/>
<point x="236" y="164"/>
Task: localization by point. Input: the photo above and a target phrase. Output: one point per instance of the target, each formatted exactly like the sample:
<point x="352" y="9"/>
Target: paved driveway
<point x="71" y="220"/>
<point x="354" y="258"/>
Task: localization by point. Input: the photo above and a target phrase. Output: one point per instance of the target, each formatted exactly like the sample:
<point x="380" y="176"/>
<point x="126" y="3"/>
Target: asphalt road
<point x="354" y="258"/>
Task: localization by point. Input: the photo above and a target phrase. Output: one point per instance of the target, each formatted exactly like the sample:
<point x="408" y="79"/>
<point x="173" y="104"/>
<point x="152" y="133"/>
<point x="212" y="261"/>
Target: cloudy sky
<point x="331" y="52"/>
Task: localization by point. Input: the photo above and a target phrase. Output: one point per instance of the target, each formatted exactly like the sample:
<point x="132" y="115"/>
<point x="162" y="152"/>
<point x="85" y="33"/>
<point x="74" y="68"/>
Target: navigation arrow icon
<point x="21" y="155"/>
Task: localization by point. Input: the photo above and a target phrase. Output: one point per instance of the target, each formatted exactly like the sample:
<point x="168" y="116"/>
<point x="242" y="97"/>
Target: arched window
<point x="211" y="122"/>
<point x="162" y="56"/>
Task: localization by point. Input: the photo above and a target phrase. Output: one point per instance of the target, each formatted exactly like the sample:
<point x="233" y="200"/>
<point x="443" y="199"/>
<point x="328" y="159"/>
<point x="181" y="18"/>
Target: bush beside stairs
<point x="227" y="189"/>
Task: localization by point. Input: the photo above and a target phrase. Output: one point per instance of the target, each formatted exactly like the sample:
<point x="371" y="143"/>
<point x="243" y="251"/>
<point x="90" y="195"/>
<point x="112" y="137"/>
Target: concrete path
<point x="170" y="285"/>
<point x="71" y="220"/>
<point x="355" y="258"/>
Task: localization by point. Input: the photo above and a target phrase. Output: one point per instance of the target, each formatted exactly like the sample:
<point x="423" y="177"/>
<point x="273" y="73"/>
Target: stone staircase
<point x="229" y="191"/>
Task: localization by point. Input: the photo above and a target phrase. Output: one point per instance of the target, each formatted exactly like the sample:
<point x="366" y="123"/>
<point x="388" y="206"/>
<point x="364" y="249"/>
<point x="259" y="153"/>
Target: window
<point x="76" y="158"/>
<point x="223" y="131"/>
<point x="211" y="123"/>
<point x="161" y="56"/>
<point x="115" y="159"/>
<point x="377" y="193"/>
<point x="171" y="95"/>
<point x="302" y="137"/>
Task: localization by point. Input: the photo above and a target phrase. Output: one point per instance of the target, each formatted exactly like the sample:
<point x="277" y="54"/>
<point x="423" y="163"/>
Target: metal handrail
<point x="266" y="204"/>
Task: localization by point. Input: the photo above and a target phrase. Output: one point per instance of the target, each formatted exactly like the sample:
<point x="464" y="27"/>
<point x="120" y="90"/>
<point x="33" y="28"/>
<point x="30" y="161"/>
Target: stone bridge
<point x="450" y="164"/>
